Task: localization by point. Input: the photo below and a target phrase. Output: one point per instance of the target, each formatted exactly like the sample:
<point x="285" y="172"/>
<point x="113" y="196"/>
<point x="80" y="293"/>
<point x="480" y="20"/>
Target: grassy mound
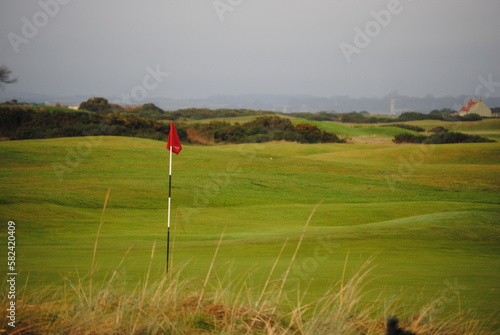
<point x="426" y="218"/>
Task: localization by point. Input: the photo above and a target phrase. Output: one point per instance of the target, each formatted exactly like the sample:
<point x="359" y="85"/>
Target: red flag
<point x="173" y="140"/>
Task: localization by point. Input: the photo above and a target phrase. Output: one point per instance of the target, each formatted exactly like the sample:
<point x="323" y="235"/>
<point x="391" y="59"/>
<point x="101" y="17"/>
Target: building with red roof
<point x="475" y="107"/>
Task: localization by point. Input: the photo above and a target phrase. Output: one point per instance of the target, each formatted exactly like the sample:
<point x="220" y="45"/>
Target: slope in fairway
<point x="427" y="216"/>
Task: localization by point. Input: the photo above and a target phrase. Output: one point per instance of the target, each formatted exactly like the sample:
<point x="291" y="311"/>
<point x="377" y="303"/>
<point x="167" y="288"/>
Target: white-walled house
<point x="475" y="107"/>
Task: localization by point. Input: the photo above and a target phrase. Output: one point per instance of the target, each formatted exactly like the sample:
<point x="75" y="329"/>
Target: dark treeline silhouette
<point x="443" y="137"/>
<point x="28" y="122"/>
<point x="364" y="117"/>
<point x="98" y="116"/>
<point x="35" y="122"/>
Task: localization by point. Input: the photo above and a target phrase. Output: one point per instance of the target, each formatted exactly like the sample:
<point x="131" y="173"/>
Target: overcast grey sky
<point x="318" y="47"/>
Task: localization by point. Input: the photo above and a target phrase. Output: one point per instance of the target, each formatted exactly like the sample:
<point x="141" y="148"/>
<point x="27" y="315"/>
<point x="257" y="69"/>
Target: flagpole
<point x="174" y="146"/>
<point x="169" y="200"/>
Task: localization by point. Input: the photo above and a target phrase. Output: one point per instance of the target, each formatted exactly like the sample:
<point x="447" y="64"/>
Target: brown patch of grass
<point x="371" y="140"/>
<point x="196" y="137"/>
<point x="175" y="306"/>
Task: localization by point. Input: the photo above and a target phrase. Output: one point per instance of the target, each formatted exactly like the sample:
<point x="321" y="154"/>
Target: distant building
<point x="475" y="107"/>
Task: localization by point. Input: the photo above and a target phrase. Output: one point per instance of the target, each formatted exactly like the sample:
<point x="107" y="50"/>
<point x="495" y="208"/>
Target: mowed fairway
<point x="426" y="216"/>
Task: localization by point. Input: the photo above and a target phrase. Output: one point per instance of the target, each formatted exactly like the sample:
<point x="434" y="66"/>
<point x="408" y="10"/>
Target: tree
<point x="150" y="111"/>
<point x="98" y="105"/>
<point x="5" y="77"/>
<point x="310" y="132"/>
<point x="152" y="107"/>
<point x="271" y="123"/>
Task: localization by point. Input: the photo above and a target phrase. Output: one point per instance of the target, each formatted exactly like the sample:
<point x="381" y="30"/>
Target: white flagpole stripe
<point x="169" y="201"/>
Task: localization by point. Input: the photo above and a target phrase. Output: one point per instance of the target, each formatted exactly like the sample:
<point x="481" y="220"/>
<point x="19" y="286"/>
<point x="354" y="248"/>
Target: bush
<point x="455" y="137"/>
<point x="205" y="113"/>
<point x="25" y="122"/>
<point x="98" y="105"/>
<point x="13" y="117"/>
<point x="21" y="122"/>
<point x="412" y="116"/>
<point x="443" y="137"/>
<point x="471" y="117"/>
<point x="272" y="123"/>
<point x="310" y="133"/>
<point x="408" y="138"/>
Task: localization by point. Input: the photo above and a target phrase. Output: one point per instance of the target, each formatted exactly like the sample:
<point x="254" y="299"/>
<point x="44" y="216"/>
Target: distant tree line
<point x="205" y="113"/>
<point x="444" y="114"/>
<point x="98" y="116"/>
<point x="30" y="122"/>
<point x="151" y="111"/>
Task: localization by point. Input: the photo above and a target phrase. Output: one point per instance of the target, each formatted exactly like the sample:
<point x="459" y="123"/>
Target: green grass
<point x="226" y="304"/>
<point x="372" y="132"/>
<point x="488" y="128"/>
<point x="427" y="215"/>
<point x="469" y="126"/>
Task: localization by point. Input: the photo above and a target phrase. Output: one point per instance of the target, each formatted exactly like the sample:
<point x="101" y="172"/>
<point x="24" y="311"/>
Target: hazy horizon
<point x="193" y="49"/>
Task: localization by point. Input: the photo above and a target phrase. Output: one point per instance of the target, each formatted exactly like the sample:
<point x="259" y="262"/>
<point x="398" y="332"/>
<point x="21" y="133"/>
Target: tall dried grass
<point x="217" y="305"/>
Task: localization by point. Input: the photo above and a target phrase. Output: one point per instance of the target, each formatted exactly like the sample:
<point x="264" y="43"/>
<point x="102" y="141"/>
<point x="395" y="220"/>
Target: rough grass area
<point x="426" y="217"/>
<point x="228" y="304"/>
<point x="223" y="306"/>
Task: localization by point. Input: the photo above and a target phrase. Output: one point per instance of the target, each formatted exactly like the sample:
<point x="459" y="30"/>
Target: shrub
<point x="408" y="138"/>
<point x="13" y="117"/>
<point x="455" y="137"/>
<point x="205" y="113"/>
<point x="98" y="105"/>
<point x="25" y="122"/>
<point x="412" y="116"/>
<point x="471" y="117"/>
<point x="271" y="123"/>
<point x="310" y="133"/>
<point x="443" y="137"/>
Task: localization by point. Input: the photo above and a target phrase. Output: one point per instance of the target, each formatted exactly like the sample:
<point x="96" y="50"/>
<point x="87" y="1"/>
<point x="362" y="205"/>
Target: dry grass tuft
<point x="176" y="306"/>
<point x="172" y="305"/>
